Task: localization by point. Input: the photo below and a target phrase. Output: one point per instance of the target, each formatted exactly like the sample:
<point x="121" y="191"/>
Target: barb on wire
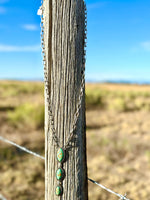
<point x="21" y="147"/>
<point x="110" y="191"/>
<point x="2" y="198"/>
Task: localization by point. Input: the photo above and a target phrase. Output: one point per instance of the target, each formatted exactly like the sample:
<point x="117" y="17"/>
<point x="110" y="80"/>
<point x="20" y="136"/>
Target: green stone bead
<point x="60" y="174"/>
<point x="59" y="190"/>
<point x="60" y="155"/>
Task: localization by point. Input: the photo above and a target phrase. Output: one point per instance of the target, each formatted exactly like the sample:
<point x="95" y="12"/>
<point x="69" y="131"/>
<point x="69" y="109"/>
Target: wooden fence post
<point x="64" y="50"/>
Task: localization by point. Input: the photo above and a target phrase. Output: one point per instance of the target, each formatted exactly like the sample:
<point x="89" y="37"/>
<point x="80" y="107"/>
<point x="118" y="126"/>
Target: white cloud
<point x="96" y="5"/>
<point x="142" y="46"/>
<point x="11" y="48"/>
<point x="145" y="45"/>
<point x="2" y="10"/>
<point x="30" y="27"/>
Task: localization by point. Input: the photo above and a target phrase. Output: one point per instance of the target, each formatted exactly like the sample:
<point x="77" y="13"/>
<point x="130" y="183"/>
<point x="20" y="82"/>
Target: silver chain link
<point x="46" y="82"/>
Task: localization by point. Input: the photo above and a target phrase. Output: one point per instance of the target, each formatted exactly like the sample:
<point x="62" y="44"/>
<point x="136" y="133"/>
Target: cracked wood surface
<point x="64" y="43"/>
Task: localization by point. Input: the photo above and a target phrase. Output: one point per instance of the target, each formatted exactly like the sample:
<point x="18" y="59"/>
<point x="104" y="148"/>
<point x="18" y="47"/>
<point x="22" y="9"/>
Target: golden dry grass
<point x="118" y="150"/>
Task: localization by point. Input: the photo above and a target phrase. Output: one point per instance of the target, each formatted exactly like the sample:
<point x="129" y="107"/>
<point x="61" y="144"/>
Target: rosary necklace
<point x="61" y="152"/>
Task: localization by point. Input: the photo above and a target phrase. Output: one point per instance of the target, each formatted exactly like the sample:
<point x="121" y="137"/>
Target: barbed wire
<point x="109" y="190"/>
<point x="43" y="158"/>
<point x="2" y="197"/>
<point x="21" y="147"/>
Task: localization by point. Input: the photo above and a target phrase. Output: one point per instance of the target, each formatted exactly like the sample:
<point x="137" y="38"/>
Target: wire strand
<point x="109" y="190"/>
<point x="39" y="156"/>
<point x="21" y="147"/>
<point x="2" y="197"/>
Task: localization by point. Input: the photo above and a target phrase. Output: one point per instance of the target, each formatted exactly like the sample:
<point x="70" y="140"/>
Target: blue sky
<point x="118" y="46"/>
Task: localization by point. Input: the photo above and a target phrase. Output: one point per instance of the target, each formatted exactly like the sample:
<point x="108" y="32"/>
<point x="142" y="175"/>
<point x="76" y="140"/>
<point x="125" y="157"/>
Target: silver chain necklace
<point x="60" y="173"/>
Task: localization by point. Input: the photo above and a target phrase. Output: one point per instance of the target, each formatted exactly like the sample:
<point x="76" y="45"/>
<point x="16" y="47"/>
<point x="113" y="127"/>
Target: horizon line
<point x="117" y="81"/>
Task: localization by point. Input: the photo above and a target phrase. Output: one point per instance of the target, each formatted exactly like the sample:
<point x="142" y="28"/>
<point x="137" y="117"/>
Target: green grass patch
<point x="14" y="88"/>
<point x="27" y="115"/>
<point x="95" y="98"/>
<point x="117" y="100"/>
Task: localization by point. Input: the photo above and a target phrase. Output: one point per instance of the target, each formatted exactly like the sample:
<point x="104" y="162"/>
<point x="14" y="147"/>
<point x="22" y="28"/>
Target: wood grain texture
<point x="64" y="43"/>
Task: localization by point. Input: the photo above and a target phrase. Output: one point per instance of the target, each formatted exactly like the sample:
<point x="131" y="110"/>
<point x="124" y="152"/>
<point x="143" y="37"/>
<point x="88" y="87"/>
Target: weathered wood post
<point x="64" y="40"/>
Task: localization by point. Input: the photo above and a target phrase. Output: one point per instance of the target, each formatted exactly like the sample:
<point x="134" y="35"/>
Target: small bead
<point x="60" y="173"/>
<point x="60" y="155"/>
<point x="59" y="190"/>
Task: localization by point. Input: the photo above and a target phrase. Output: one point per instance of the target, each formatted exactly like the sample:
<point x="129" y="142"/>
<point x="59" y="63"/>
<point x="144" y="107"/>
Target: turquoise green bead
<point x="60" y="155"/>
<point x="59" y="190"/>
<point x="60" y="174"/>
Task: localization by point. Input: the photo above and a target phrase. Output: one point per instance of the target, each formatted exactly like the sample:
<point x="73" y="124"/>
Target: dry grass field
<point x="118" y="140"/>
